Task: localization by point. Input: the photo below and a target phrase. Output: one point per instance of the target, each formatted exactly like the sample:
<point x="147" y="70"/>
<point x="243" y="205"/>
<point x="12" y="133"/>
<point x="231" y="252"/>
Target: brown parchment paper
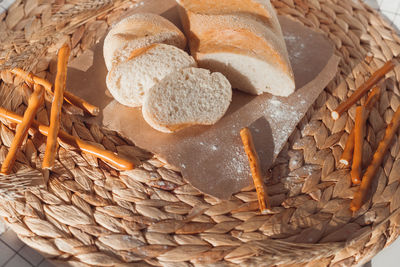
<point x="212" y="158"/>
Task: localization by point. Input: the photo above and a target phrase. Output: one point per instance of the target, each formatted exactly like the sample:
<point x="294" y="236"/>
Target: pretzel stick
<point x="82" y="104"/>
<point x="356" y="168"/>
<point x="348" y="150"/>
<point x="347" y="155"/>
<point x="76" y="142"/>
<point x="250" y="150"/>
<point x="35" y="101"/>
<point x="55" y="114"/>
<point x="69" y="97"/>
<point x="31" y="78"/>
<point x="361" y="195"/>
<point x="363" y="89"/>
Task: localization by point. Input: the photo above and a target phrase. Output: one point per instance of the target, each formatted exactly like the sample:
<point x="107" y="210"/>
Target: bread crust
<point x="137" y="31"/>
<point x="220" y="7"/>
<point x="242" y="42"/>
<point x="163" y="127"/>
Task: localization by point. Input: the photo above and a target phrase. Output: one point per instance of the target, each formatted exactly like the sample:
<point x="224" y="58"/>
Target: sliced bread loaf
<point x="128" y="81"/>
<point x="249" y="62"/>
<point x="252" y="54"/>
<point x="187" y="97"/>
<point x="138" y="31"/>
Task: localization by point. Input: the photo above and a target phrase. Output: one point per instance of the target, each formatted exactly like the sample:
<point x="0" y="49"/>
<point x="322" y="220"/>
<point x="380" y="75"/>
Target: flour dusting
<point x="295" y="41"/>
<point x="282" y="114"/>
<point x="239" y="161"/>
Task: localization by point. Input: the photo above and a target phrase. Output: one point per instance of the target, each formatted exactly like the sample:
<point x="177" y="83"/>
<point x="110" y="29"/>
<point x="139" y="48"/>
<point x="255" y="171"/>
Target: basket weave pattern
<point x="91" y="214"/>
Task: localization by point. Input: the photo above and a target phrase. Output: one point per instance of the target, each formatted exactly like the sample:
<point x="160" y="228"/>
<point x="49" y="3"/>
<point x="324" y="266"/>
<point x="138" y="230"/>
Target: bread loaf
<point x="245" y="46"/>
<point x="129" y="80"/>
<point x="187" y="97"/>
<point x="137" y="31"/>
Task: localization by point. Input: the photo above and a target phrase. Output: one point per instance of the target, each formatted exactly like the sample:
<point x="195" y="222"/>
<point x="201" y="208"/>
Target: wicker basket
<point x="91" y="214"/>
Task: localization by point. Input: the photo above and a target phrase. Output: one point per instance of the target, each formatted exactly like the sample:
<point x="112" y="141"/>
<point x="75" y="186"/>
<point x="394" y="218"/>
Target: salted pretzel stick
<point x="250" y="150"/>
<point x="55" y="114"/>
<point x="356" y="168"/>
<point x="361" y="195"/>
<point x="76" y="142"/>
<point x="363" y="89"/>
<point x="347" y="155"/>
<point x="69" y="97"/>
<point x="35" y="101"/>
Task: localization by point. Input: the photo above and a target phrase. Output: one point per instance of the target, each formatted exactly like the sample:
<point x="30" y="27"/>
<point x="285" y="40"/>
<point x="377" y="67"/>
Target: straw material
<point x="91" y="214"/>
<point x="3" y="227"/>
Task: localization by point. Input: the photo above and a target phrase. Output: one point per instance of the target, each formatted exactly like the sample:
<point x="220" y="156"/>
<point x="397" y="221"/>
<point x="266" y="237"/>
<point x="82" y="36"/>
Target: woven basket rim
<point x="92" y="214"/>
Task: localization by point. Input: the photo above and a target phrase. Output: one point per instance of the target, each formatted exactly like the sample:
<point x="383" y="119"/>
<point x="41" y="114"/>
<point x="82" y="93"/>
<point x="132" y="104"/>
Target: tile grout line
<point x="25" y="259"/>
<point x="21" y="248"/>
<point x="44" y="259"/>
<point x="8" y="246"/>
<point x="17" y="253"/>
<point x="4" y="264"/>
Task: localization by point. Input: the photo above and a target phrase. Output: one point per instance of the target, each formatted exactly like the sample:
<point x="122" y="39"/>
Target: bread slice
<point x="252" y="54"/>
<point x="138" y="31"/>
<point x="187" y="97"/>
<point x="128" y="81"/>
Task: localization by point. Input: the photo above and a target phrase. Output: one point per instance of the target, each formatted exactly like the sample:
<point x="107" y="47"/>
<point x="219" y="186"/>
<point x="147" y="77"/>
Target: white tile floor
<point x="5" y="4"/>
<point x="13" y="253"/>
<point x="389" y="8"/>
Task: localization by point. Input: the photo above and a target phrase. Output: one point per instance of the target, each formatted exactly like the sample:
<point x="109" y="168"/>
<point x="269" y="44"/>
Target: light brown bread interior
<point x="187" y="97"/>
<point x="128" y="81"/>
